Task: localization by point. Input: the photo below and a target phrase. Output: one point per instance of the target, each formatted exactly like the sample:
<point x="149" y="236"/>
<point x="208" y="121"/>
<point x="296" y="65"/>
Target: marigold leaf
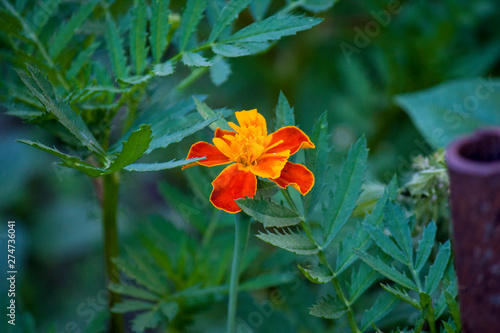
<point x="67" y="160"/>
<point x="361" y="279"/>
<point x="68" y="30"/>
<point x="284" y="113"/>
<point x="290" y="241"/>
<point x="41" y="88"/>
<point x="401" y="294"/>
<point x="269" y="213"/>
<point x="159" y="27"/>
<point x="388" y="271"/>
<point x="148" y="167"/>
<point x="190" y="20"/>
<point x="329" y="308"/>
<point x="266" y="281"/>
<point x="317" y="274"/>
<point x="437" y="269"/>
<point x="164" y="140"/>
<point x="317" y="162"/>
<point x="384" y="304"/>
<point x="207" y="113"/>
<point x="195" y="59"/>
<point x="272" y="28"/>
<point x="259" y="8"/>
<point x="137" y="36"/>
<point x="137" y="144"/>
<point x="164" y="69"/>
<point x="228" y="14"/>
<point x="169" y="309"/>
<point x="385" y="243"/>
<point x="115" y="48"/>
<point x="453" y="308"/>
<point x="425" y="246"/>
<point x="81" y="59"/>
<point x="347" y="192"/>
<point x="220" y="71"/>
<point x="399" y="226"/>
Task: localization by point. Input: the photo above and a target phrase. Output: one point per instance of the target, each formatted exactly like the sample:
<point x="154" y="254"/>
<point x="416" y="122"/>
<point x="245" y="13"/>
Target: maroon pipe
<point x="474" y="168"/>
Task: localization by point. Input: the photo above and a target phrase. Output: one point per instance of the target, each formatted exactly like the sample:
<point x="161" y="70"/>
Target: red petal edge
<point x="232" y="184"/>
<point x="296" y="175"/>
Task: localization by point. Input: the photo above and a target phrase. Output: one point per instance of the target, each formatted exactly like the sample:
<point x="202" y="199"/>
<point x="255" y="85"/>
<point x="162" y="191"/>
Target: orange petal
<point x="214" y="156"/>
<point x="296" y="175"/>
<point x="252" y="118"/>
<point x="232" y="184"/>
<point x="270" y="165"/>
<point x="224" y="135"/>
<point x="292" y="139"/>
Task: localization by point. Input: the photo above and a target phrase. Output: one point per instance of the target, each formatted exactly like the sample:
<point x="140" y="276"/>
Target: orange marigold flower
<point x="255" y="153"/>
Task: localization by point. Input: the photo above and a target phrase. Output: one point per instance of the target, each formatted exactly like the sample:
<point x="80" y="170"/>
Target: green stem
<point x="111" y="249"/>
<point x="191" y="78"/>
<point x="240" y="235"/>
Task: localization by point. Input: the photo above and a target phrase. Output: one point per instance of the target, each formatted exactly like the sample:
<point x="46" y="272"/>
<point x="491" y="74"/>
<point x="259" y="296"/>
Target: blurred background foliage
<point x="59" y="249"/>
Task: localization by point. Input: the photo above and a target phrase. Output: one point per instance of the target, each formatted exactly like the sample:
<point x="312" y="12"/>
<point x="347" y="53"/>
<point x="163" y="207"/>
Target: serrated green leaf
<point x="361" y="239"/>
<point x="388" y="271"/>
<point x="130" y="269"/>
<point x="228" y="14"/>
<point x="131" y="305"/>
<point x="272" y="28"/>
<point x="220" y="71"/>
<point x="402" y="295"/>
<point x="148" y="167"/>
<point x="347" y="192"/>
<point x="317" y="162"/>
<point x="231" y="50"/>
<point x="425" y="246"/>
<point x="384" y="304"/>
<point x="207" y="113"/>
<point x="164" y="69"/>
<point x="361" y="279"/>
<point x="115" y="48"/>
<point x="42" y="89"/>
<point x="453" y="308"/>
<point x="317" y="6"/>
<point x="169" y="309"/>
<point x="269" y="213"/>
<point x="437" y="269"/>
<point x="137" y="36"/>
<point x="317" y="274"/>
<point x="329" y="308"/>
<point x="385" y="243"/>
<point x="68" y="30"/>
<point x="149" y="319"/>
<point x="190" y="20"/>
<point x="195" y="59"/>
<point x="165" y="140"/>
<point x="159" y="27"/>
<point x="266" y="189"/>
<point x="284" y="113"/>
<point x="67" y="160"/>
<point x="81" y="59"/>
<point x="290" y="241"/>
<point x="133" y="291"/>
<point x="399" y="226"/>
<point x="133" y="149"/>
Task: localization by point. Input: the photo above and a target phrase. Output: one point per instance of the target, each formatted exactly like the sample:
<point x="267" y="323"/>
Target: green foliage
<point x="452" y="109"/>
<point x="379" y="247"/>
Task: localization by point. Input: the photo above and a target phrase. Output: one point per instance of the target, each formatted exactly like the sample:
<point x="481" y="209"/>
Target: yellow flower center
<point x="248" y="145"/>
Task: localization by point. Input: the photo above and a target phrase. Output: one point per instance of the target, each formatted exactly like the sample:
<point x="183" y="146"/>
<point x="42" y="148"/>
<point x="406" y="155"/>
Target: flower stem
<point x="240" y="240"/>
<point x="109" y="212"/>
